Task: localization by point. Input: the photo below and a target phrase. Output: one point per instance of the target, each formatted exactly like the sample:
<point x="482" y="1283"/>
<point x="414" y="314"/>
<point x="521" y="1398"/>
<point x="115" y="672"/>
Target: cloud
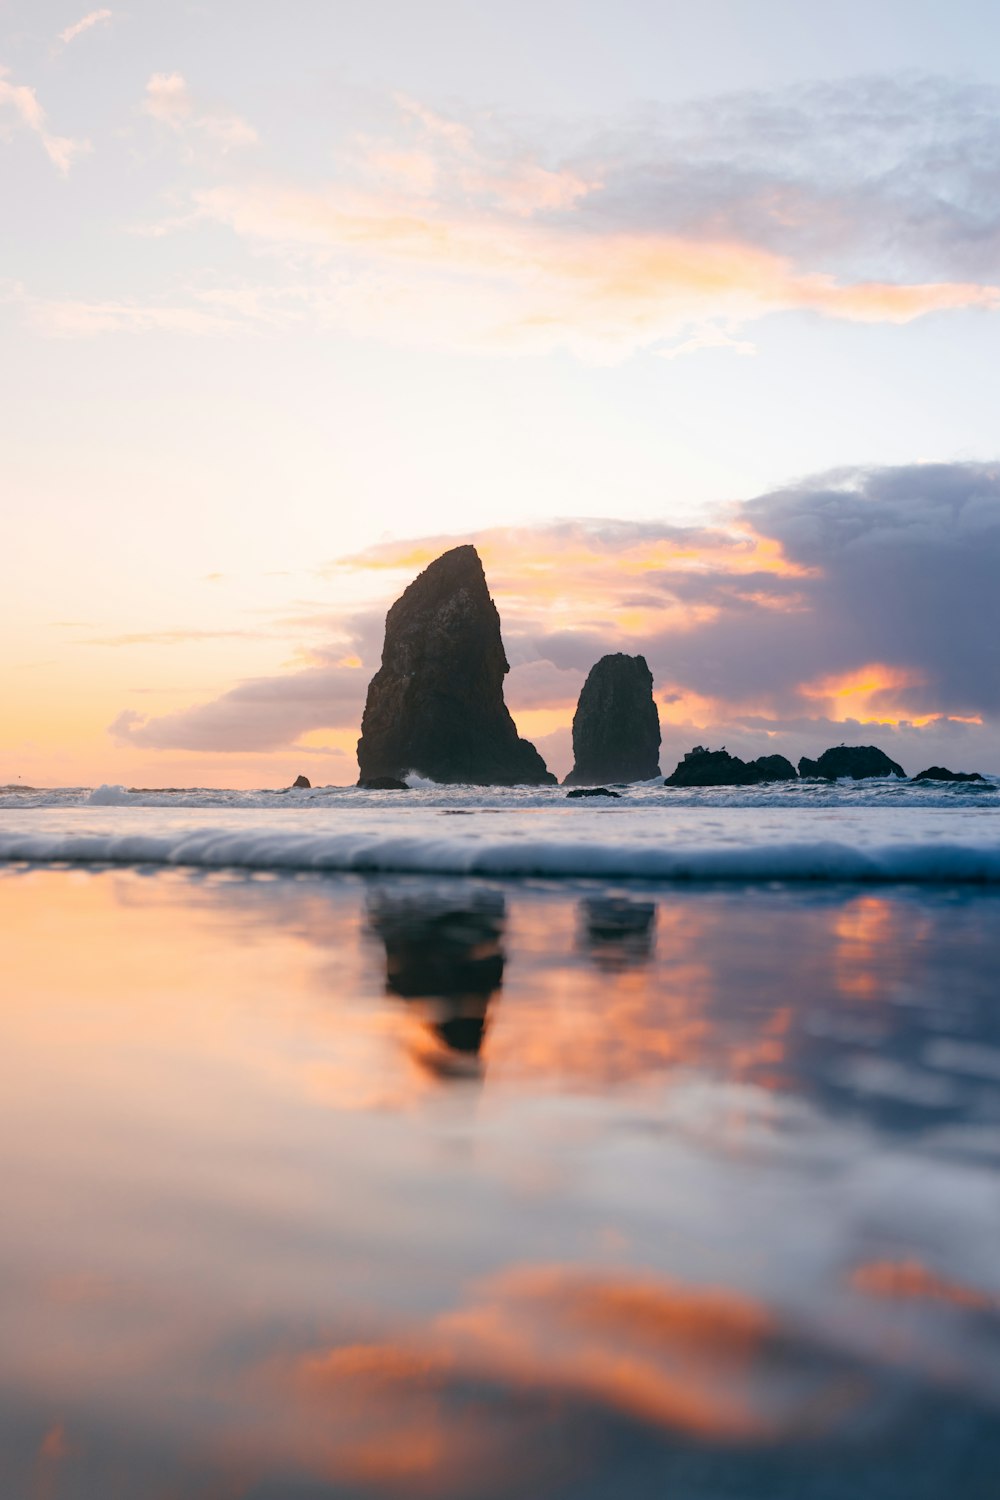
<point x="867" y="201"/>
<point x="93" y="18"/>
<point x="264" y="713"/>
<point x="65" y="317"/>
<point x="169" y="101"/>
<point x="855" y="605"/>
<point x="20" y="103"/>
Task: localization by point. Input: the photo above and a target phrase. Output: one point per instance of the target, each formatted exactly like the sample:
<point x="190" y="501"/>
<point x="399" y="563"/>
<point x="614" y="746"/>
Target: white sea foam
<point x="562" y="840"/>
<point x="109" y="796"/>
<point x="876" y="793"/>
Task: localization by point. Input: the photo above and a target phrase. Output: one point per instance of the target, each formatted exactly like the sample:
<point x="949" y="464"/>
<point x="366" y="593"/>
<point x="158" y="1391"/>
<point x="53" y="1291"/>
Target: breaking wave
<point x="680" y="844"/>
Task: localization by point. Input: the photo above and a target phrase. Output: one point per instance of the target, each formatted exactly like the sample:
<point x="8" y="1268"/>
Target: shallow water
<point x="349" y="1186"/>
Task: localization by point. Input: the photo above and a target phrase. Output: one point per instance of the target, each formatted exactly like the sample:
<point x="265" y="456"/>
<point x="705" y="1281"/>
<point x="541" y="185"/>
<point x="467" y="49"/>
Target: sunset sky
<point x="687" y="314"/>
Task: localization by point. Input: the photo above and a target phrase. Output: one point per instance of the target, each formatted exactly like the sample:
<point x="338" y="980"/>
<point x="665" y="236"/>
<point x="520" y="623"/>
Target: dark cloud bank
<point x="901" y="566"/>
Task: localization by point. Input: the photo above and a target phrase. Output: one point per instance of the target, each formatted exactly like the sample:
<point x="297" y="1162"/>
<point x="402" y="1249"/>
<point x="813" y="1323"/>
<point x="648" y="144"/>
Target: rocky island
<point x="857" y="762"/>
<point x="701" y="767"/>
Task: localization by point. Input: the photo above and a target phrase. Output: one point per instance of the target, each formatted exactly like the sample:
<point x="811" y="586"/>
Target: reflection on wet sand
<point x="617" y="932"/>
<point x="720" y="1221"/>
<point x="445" y="958"/>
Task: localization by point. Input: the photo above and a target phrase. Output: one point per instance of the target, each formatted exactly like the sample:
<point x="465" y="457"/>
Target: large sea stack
<point x="435" y="706"/>
<point x="616" y="729"/>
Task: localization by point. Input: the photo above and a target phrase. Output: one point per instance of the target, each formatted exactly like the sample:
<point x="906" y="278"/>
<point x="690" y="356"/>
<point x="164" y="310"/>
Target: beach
<point x="472" y="1182"/>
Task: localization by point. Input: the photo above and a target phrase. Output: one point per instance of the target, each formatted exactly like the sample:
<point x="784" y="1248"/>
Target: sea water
<point x="452" y="1143"/>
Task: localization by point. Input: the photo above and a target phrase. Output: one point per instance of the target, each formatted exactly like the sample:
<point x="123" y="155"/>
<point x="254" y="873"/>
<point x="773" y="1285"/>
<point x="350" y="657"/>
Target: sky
<point x="687" y="315"/>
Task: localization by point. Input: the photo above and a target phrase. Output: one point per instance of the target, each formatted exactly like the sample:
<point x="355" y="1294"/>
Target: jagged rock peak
<point x="436" y="705"/>
<point x="616" y="729"/>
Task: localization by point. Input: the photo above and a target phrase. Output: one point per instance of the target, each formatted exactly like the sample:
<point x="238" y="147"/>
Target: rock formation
<point x="941" y="773"/>
<point x="855" y="761"/>
<point x="384" y="784"/>
<point x="435" y="706"/>
<point x="301" y="783"/>
<point x="593" y="791"/>
<point x="616" y="729"/>
<point x="773" y="768"/>
<point x="701" y="767"/>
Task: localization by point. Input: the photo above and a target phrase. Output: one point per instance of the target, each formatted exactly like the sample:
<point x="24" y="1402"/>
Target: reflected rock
<point x="616" y="729"/>
<point x="857" y="762"/>
<point x="941" y="773"/>
<point x="618" y="932"/>
<point x="445" y="956"/>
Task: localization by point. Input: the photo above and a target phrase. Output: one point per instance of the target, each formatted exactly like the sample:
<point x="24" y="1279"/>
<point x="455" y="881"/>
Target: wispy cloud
<point x="169" y="101"/>
<point x="867" y="202"/>
<point x="671" y="234"/>
<point x="19" y="107"/>
<point x="93" y="18"/>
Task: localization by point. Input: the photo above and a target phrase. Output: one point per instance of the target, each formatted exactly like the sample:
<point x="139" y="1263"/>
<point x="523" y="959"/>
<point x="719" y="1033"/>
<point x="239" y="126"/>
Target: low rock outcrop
<point x="701" y="767"/>
<point x="855" y="761"/>
<point x="616" y="729"/>
<point x="436" y="704"/>
<point x="593" y="791"/>
<point x="301" y="784"/>
<point x="941" y="773"/>
<point x="383" y="784"/>
<point x="773" y="768"/>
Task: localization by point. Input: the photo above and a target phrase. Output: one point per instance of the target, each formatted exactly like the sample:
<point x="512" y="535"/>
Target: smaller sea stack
<point x="616" y="729"/>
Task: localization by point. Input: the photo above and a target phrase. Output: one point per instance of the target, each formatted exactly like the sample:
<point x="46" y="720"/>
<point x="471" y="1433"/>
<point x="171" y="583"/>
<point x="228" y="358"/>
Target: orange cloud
<point x="872" y="692"/>
<point x="911" y="1280"/>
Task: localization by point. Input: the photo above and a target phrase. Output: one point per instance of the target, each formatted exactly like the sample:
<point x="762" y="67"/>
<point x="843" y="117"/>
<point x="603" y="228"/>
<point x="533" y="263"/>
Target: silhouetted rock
<point x="301" y="783"/>
<point x="856" y="761"/>
<point x="941" y="773"/>
<point x="384" y="784"/>
<point x="773" y="768"/>
<point x="436" y="705"/>
<point x="593" y="791"/>
<point x="616" y="729"/>
<point x="701" y="767"/>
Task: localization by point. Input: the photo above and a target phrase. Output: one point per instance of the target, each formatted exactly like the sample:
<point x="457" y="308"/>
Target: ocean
<point x="473" y="1143"/>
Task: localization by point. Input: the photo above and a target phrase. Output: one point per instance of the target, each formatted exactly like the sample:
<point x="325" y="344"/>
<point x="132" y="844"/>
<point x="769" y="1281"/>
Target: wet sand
<point x="325" y="1186"/>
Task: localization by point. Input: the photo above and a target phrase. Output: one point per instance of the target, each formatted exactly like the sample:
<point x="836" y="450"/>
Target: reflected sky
<point x="333" y="1187"/>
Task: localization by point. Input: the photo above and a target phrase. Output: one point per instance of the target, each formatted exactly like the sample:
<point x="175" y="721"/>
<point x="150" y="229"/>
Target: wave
<point x="887" y="792"/>
<point x="519" y="854"/>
